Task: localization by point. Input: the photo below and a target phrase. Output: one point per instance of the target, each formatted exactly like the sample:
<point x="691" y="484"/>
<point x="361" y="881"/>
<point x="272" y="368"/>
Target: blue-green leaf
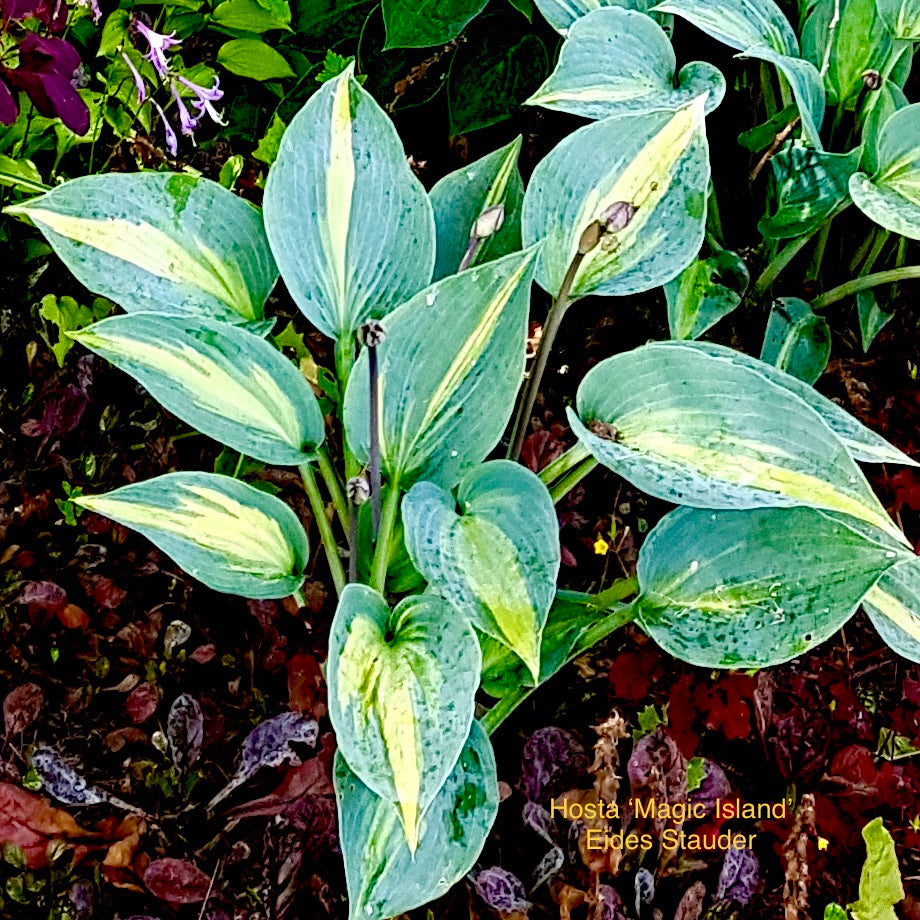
<point x="798" y="340"/>
<point x="706" y="291"/>
<point x="893" y="605"/>
<point x="740" y="24"/>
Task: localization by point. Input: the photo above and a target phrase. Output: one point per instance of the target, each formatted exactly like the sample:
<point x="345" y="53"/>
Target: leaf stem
<point x="565" y="484"/>
<point x="575" y="455"/>
<point x="865" y="282"/>
<point x="344" y="362"/>
<point x="375" y="478"/>
<point x="330" y="477"/>
<point x="299" y="599"/>
<point x="777" y="265"/>
<point x="384" y="536"/>
<point x="325" y="528"/>
<point x="553" y="321"/>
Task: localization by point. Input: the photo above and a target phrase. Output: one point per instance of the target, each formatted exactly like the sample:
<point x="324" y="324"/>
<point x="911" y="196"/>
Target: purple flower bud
<point x="138" y="79"/>
<point x="187" y="122"/>
<point x="172" y="143"/>
<point x="159" y="45"/>
<point x="618" y="216"/>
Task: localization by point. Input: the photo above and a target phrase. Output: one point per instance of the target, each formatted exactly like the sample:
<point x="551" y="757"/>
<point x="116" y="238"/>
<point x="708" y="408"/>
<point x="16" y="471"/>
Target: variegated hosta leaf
<point x="878" y="108"/>
<point x="657" y="163"/>
<point x="401" y="695"/>
<point x="461" y="196"/>
<point x="562" y="14"/>
<point x="743" y="589"/>
<point x="709" y="432"/>
<point x="385" y="878"/>
<point x="350" y="225"/>
<point x="901" y="17"/>
<point x="862" y="443"/>
<point x="162" y="242"/>
<point x="221" y="380"/>
<point x="229" y="535"/>
<point x="740" y="24"/>
<point x="891" y="197"/>
<point x="806" y="84"/>
<point x="893" y="605"/>
<point x="450" y="367"/>
<point x="497" y="560"/>
<point x="798" y="340"/>
<point x="616" y="62"/>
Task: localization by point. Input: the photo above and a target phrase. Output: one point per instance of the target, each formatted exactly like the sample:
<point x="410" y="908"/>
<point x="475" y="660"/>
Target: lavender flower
<point x="187" y="122"/>
<point x="204" y="97"/>
<point x="138" y="79"/>
<point x="159" y="45"/>
<point x="172" y="143"/>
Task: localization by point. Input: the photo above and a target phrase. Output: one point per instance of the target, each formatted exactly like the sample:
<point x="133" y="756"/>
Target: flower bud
<point x="590" y="237"/>
<point x="488" y="223"/>
<point x="373" y="333"/>
<point x="618" y="216"/>
<point x="872" y="80"/>
<point x="358" y="490"/>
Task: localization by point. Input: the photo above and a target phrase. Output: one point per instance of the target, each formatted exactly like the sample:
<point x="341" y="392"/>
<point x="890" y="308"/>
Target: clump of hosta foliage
<point x="446" y="562"/>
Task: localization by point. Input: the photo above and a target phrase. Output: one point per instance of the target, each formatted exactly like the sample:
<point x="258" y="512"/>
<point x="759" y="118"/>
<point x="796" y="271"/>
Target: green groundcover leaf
<point x="750" y="589"/>
<point x="616" y="62"/>
<point x="253" y="15"/>
<point x="705" y="292"/>
<point x="221" y="380"/>
<point x="497" y="561"/>
<point x="422" y="23"/>
<point x="880" y="885"/>
<point x="401" y="695"/>
<point x="350" y="225"/>
<point x="160" y="242"/>
<point x="253" y="58"/>
<point x="450" y="367"/>
<point x="893" y="605"/>
<point x="798" y="341"/>
<point x="230" y="536"/>
<point x="461" y="196"/>
<point x="740" y="24"/>
<point x="384" y="878"/>
<point x="658" y="163"/>
<point x="707" y="431"/>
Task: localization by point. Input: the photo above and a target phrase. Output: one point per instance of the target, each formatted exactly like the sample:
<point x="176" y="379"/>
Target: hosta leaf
<point x="461" y="196"/>
<point x="880" y="886"/>
<point x="879" y="107"/>
<point x="872" y="318"/>
<point x="704" y="292"/>
<point x="221" y="380"/>
<point x="401" y="695"/>
<point x="562" y="14"/>
<point x="712" y="433"/>
<point x="449" y="370"/>
<point x="160" y="242"/>
<point x="739" y="24"/>
<point x="862" y="443"/>
<point x="385" y="879"/>
<point x="742" y="589"/>
<point x="901" y="17"/>
<point x="811" y="185"/>
<point x="798" y="341"/>
<point x="659" y="164"/>
<point x="498" y="560"/>
<point x="229" y="535"/>
<point x="350" y="225"/>
<point x="891" y="197"/>
<point x="893" y="605"/>
<point x="422" y="23"/>
<point x="616" y="62"/>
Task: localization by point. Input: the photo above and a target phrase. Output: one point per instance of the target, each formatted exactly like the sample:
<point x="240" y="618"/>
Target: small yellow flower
<point x="822" y="843"/>
<point x="601" y="546"/>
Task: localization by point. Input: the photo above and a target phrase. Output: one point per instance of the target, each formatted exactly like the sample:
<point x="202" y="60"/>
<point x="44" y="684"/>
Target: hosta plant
<point x="446" y="562"/>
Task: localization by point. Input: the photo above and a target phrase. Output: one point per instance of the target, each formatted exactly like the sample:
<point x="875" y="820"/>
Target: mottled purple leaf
<point x="739" y="877"/>
<point x="62" y="782"/>
<point x="715" y="785"/>
<point x="45" y="595"/>
<point x="691" y="904"/>
<point x="61" y="413"/>
<point x="177" y="881"/>
<point x="657" y="755"/>
<point x="551" y="863"/>
<point x="501" y="890"/>
<point x="610" y="906"/>
<point x="553" y="760"/>
<point x="538" y="819"/>
<point x="81" y="896"/>
<point x="269" y="745"/>
<point x="185" y="730"/>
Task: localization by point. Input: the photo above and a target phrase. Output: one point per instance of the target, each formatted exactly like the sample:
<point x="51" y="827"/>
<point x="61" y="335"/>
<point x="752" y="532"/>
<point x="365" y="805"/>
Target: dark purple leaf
<point x="715" y="785"/>
<point x="315" y="817"/>
<point x="50" y="13"/>
<point x="62" y="411"/>
<point x="501" y="890"/>
<point x="45" y="595"/>
<point x="553" y="760"/>
<point x="177" y="881"/>
<point x="9" y="108"/>
<point x="142" y="702"/>
<point x="739" y="877"/>
<point x="62" y="782"/>
<point x="48" y="69"/>
<point x="610" y="905"/>
<point x="538" y="819"/>
<point x="657" y="755"/>
<point x="185" y="731"/>
<point x="81" y="896"/>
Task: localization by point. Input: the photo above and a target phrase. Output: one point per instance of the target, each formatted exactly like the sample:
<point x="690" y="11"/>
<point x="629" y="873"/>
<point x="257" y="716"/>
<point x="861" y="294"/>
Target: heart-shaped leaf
<point x="562" y="14"/>
<point x="798" y="341"/>
<point x="422" y="23"/>
<point x="462" y="196"/>
<point x="221" y="380"/>
<point x="893" y="605"/>
<point x="401" y="695"/>
<point x="450" y="367"/>
<point x="498" y="560"/>
<point x="350" y="225"/>
<point x="617" y="62"/>
<point x="657" y="166"/>
<point x="385" y="878"/>
<point x="743" y="589"/>
<point x="705" y="292"/>
<point x="161" y="242"/>
<point x="710" y="432"/>
<point x="739" y="24"/>
<point x="229" y="535"/>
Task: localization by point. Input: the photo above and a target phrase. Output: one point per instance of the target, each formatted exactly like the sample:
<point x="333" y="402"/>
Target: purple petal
<point x="9" y="110"/>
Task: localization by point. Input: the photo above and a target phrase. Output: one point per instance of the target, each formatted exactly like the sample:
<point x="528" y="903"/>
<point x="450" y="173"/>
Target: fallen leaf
<point x="43" y="595"/>
<point x="142" y="702"/>
<point x="306" y="685"/>
<point x="32" y="822"/>
<point x="73" y="617"/>
<point x="177" y="881"/>
<point x="21" y="708"/>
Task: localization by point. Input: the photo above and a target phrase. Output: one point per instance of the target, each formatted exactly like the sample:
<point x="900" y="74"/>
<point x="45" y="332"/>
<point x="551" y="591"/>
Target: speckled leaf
<point x="160" y="242"/>
<point x="221" y="380"/>
<point x="617" y="62"/>
<point x="750" y="589"/>
<point x="461" y="196"/>
<point x="659" y="164"/>
<point x="901" y="17"/>
<point x="893" y="605"/>
<point x="891" y="197"/>
<point x="496" y="561"/>
<point x="450" y="367"/>
<point x="401" y="695"/>
<point x="798" y="341"/>
<point x="229" y="535"/>
<point x="877" y="109"/>
<point x="561" y="14"/>
<point x="185" y="730"/>
<point x="740" y="24"/>
<point x="61" y="781"/>
<point x="350" y="225"/>
<point x="704" y="292"/>
<point x="385" y="879"/>
<point x="710" y="432"/>
<point x="422" y="23"/>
